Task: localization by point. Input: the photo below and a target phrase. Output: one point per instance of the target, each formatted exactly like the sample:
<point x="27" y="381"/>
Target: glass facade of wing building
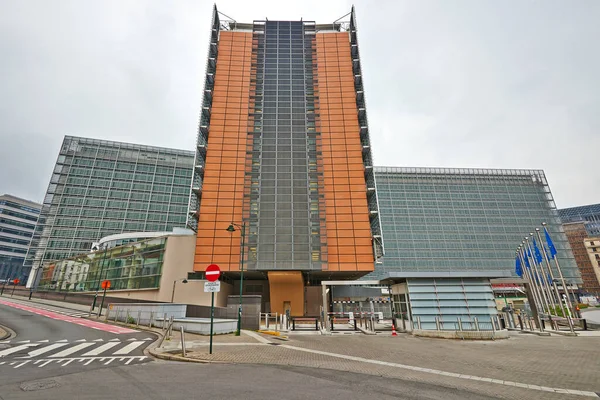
<point x="99" y="188"/>
<point x="464" y="221"/>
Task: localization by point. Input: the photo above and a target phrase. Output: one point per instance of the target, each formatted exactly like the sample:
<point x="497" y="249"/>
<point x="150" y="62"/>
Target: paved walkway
<point x="523" y="366"/>
<point x="592" y="315"/>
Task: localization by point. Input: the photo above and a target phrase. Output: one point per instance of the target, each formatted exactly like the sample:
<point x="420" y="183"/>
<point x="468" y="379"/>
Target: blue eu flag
<point x="536" y="250"/>
<point x="550" y="244"/>
<point x="518" y="267"/>
<point x="526" y="261"/>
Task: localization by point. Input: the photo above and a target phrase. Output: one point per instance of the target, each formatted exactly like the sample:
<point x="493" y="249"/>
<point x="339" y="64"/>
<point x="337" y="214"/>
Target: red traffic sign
<point x="16" y="281"/>
<point x="212" y="273"/>
<point x="105" y="284"/>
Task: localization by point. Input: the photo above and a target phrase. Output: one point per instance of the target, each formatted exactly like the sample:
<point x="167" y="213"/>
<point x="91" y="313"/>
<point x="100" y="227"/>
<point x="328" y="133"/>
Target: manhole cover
<point x="39" y="385"/>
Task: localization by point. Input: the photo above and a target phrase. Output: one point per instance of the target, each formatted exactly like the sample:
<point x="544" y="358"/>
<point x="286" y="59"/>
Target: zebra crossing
<point x="68" y="313"/>
<point x="63" y="352"/>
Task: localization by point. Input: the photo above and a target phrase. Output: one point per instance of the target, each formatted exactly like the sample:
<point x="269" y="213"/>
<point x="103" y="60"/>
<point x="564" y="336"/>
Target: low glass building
<point x="101" y="188"/>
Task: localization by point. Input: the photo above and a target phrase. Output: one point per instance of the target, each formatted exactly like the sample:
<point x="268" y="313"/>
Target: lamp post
<point x="183" y="280"/>
<point x="231" y="229"/>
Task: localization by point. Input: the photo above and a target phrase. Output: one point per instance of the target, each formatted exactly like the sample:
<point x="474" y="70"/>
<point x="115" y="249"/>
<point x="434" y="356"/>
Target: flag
<point x="518" y="268"/>
<point x="550" y="244"/>
<point x="536" y="250"/>
<point x="526" y="260"/>
<point x="549" y="279"/>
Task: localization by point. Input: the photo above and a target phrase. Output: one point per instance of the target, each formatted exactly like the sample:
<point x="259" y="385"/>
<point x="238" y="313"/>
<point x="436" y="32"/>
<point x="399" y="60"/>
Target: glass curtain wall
<point x="133" y="266"/>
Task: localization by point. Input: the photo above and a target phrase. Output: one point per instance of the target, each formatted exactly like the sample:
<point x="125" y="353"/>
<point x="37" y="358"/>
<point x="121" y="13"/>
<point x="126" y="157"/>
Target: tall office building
<point x="17" y="222"/>
<point x="99" y="188"/>
<point x="283" y="151"/>
<point x="589" y="214"/>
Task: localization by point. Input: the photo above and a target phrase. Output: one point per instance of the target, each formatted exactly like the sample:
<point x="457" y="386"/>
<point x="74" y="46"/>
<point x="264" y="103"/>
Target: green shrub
<point x="130" y="320"/>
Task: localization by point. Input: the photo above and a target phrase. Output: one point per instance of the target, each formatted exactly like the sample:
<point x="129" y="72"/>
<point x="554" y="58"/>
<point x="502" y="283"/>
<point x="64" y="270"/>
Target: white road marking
<point x="129" y="348"/>
<point x="72" y="350"/>
<point x="60" y="341"/>
<point x="23" y="363"/>
<point x="114" y="340"/>
<point x="98" y="340"/>
<point x="43" y="341"/>
<point x="24" y="341"/>
<point x="444" y="373"/>
<point x="46" y="349"/>
<point x="101" y="349"/>
<point x="80" y="340"/>
<point x="45" y="363"/>
<point x="12" y="350"/>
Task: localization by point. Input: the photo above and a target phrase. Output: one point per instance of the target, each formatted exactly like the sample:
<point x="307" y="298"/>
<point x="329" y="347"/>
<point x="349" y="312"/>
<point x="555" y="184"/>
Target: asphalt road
<point x="169" y="380"/>
<point x="54" y="341"/>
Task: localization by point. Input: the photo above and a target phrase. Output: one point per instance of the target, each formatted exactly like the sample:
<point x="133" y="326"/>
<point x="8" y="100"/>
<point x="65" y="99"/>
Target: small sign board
<point x="212" y="287"/>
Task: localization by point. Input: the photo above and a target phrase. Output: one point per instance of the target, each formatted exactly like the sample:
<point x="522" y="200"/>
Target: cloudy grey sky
<point x="502" y="84"/>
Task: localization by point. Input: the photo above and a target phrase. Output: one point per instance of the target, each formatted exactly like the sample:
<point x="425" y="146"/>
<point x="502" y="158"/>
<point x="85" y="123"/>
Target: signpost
<point x="105" y="286"/>
<point x="212" y="273"/>
<point x="15" y="283"/>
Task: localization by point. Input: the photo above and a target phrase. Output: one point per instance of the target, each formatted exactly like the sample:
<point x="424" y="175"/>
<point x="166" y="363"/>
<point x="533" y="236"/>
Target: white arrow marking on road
<point x="72" y="350"/>
<point x="98" y="350"/>
<point x="16" y="349"/>
<point x="46" y="349"/>
<point x="129" y="348"/>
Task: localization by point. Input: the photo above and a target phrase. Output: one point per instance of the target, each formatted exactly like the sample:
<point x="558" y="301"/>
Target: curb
<point x="9" y="333"/>
<point x="168" y="355"/>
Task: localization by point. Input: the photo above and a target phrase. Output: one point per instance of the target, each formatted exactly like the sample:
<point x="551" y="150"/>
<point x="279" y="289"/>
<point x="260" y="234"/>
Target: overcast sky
<point x="498" y="84"/>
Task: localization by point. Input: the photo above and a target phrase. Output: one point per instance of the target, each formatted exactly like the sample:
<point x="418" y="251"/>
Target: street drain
<point x="39" y="385"/>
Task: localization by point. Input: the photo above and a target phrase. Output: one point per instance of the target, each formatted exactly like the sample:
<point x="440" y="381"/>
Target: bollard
<point x="403" y="323"/>
<point x="293" y="324"/>
<point x="584" y="322"/>
<point x="493" y="325"/>
<point x="459" y="324"/>
<point x="332" y="321"/>
<point x="437" y="323"/>
<point x="117" y="311"/>
<point x="151" y="319"/>
<point x="137" y="324"/>
<point x="419" y="322"/>
<point x="127" y="318"/>
<point x="164" y="324"/>
<point x="355" y="328"/>
<point x="277" y="322"/>
<point x="107" y="313"/>
<point x="520" y="321"/>
<point x="476" y="324"/>
<point x="182" y="341"/>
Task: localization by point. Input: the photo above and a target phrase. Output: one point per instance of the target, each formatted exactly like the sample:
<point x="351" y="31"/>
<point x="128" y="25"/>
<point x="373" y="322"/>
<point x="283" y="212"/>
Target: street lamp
<point x="231" y="229"/>
<point x="183" y="280"/>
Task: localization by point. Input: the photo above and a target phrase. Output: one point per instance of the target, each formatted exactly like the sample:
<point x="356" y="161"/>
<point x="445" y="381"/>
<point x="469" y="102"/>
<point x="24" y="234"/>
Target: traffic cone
<point x="394" y="330"/>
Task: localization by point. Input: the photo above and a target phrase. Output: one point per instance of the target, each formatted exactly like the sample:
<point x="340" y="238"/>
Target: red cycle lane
<point x="79" y="321"/>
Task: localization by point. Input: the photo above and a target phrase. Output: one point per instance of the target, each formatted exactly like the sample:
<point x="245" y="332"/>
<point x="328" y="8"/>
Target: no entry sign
<point x="212" y="273"/>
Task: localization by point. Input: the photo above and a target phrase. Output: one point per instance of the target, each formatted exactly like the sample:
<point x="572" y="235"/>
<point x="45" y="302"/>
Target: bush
<point x="582" y="306"/>
<point x="131" y="320"/>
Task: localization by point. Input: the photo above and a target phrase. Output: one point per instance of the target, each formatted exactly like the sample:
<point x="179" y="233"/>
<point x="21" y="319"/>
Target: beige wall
<point x="287" y="286"/>
<point x="178" y="261"/>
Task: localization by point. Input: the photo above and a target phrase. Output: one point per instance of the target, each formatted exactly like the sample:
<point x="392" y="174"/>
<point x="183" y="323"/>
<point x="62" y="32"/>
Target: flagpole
<point x="556" y="291"/>
<point x="539" y="281"/>
<point x="534" y="290"/>
<point x="532" y="287"/>
<point x="538" y="261"/>
<point x="561" y="277"/>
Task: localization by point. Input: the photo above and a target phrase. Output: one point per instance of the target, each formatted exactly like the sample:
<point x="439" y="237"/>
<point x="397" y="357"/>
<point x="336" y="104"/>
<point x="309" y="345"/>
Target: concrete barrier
<point x="466" y="335"/>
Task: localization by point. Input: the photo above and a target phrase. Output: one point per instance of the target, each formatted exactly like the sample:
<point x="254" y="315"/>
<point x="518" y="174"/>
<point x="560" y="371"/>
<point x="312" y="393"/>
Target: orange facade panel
<point x="223" y="186"/>
<point x="347" y="215"/>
